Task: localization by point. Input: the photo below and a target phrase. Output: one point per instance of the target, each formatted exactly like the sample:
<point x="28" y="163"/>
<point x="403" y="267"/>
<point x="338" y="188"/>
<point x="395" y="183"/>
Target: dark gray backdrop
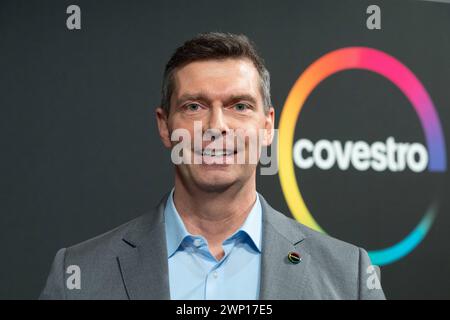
<point x="80" y="152"/>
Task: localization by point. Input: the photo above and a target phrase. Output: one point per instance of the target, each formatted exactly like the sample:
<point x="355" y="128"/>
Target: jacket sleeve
<point x="55" y="287"/>
<point x="369" y="280"/>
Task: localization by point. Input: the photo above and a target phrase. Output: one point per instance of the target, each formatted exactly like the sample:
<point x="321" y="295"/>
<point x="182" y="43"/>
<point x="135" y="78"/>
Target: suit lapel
<point x="143" y="259"/>
<point x="281" y="279"/>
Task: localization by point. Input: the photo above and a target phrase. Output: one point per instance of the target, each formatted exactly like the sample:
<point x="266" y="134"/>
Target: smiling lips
<point x="216" y="152"/>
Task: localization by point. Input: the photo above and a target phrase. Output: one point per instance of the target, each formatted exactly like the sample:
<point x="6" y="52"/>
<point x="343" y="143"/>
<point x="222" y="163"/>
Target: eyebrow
<point x="204" y="98"/>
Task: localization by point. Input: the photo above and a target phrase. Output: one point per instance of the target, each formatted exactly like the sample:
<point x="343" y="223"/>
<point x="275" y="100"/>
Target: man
<point x="213" y="236"/>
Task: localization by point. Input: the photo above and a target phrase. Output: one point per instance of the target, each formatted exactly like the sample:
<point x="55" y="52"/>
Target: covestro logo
<point x="360" y="155"/>
<point x="389" y="155"/>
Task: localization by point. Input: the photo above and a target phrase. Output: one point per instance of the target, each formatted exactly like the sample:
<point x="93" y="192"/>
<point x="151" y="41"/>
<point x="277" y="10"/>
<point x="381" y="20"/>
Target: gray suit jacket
<point x="130" y="262"/>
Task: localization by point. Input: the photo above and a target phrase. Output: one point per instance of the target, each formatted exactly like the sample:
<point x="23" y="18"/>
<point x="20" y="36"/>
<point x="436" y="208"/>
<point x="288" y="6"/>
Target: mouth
<point x="218" y="153"/>
<point x="216" y="157"/>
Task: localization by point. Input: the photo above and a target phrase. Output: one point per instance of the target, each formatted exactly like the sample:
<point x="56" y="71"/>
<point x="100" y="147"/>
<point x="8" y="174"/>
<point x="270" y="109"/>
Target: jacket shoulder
<point x="104" y="244"/>
<point x="95" y="263"/>
<point x="328" y="254"/>
<point x="320" y="242"/>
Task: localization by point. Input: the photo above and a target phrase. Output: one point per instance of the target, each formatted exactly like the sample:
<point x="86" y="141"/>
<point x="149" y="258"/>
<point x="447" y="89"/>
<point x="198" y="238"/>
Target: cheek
<point x="250" y="128"/>
<point x="177" y="122"/>
<point x="180" y="131"/>
<point x="247" y="137"/>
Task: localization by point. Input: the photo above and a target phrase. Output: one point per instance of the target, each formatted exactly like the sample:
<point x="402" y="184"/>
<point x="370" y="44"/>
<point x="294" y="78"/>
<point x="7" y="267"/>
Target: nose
<point x="217" y="124"/>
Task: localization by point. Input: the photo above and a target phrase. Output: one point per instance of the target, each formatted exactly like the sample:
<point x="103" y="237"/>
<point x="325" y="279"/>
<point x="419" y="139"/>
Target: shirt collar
<point x="176" y="231"/>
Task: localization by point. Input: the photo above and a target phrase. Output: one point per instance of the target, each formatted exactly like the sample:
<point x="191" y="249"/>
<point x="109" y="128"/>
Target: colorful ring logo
<point x="381" y="63"/>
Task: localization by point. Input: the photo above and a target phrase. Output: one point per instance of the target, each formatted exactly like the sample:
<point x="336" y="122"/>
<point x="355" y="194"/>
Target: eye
<point x="240" y="107"/>
<point x="192" y="107"/>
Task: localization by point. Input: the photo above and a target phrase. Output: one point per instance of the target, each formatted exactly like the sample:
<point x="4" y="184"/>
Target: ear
<point x="269" y="127"/>
<point x="163" y="127"/>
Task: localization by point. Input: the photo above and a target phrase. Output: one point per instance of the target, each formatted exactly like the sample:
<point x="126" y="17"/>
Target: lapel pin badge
<point x="294" y="257"/>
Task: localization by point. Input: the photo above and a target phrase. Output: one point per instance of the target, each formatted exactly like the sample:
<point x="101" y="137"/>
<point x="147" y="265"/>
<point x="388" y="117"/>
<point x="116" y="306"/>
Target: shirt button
<point x="197" y="242"/>
<point x="215" y="274"/>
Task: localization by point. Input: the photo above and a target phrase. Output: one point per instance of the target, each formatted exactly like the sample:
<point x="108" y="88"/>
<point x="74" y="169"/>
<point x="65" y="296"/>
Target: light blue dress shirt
<point x="194" y="273"/>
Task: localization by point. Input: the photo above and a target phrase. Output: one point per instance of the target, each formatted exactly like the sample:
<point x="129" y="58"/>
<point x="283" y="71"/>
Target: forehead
<point x="217" y="78"/>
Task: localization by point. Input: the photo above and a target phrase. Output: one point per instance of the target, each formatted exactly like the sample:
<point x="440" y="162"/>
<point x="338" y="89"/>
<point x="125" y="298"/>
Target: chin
<point x="214" y="182"/>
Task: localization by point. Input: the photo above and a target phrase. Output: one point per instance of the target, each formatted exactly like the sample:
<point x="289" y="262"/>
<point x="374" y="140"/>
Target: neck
<point x="214" y="215"/>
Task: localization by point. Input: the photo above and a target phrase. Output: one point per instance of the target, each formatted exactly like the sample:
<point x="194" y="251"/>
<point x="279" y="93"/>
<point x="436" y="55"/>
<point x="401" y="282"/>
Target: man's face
<point x="222" y="97"/>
